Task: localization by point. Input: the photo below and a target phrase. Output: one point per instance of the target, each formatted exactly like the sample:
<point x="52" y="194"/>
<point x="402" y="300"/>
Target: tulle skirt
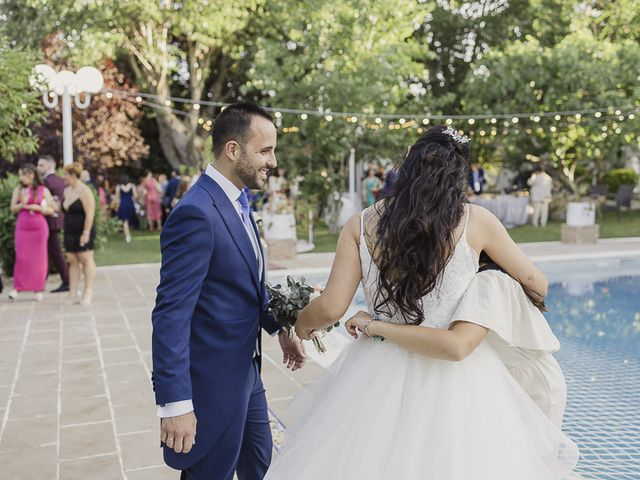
<point x="384" y="413"/>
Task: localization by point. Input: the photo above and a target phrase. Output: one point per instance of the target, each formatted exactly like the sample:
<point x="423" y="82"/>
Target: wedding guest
<point x="55" y="184"/>
<point x="477" y="181"/>
<point x="31" y="201"/>
<point x="79" y="233"/>
<point x="389" y="180"/>
<point x="170" y="191"/>
<point x="125" y="196"/>
<point x="103" y="192"/>
<point x="163" y="182"/>
<point x="540" y="186"/>
<point x="370" y="186"/>
<point x="85" y="176"/>
<point x="152" y="201"/>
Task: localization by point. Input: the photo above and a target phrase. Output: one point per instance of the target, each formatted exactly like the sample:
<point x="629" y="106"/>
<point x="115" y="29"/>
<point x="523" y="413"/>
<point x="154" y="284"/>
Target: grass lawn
<point x="145" y="247"/>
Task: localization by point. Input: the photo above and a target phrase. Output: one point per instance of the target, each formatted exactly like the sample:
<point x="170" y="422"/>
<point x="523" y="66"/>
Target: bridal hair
<point x="415" y="231"/>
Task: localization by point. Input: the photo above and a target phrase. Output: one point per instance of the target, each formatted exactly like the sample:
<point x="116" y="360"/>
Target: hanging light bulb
<point x="471" y="121"/>
<point x="597" y="114"/>
<point x="557" y="117"/>
<point x="303" y="116"/>
<point x="378" y="120"/>
<point x="515" y="120"/>
<point x="196" y="107"/>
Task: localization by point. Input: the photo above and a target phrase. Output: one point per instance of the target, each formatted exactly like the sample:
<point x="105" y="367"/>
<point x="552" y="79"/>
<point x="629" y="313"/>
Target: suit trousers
<point x="540" y="213"/>
<point x="244" y="448"/>
<point x="56" y="255"/>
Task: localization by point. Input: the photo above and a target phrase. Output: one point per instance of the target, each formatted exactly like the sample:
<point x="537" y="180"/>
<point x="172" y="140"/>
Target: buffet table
<point x="511" y="210"/>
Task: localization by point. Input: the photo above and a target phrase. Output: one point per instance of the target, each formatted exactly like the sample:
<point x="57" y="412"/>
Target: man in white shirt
<point x="540" y="187"/>
<point x="211" y="305"/>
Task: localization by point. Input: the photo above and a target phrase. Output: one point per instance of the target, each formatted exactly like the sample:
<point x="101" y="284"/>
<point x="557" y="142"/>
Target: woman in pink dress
<point x="31" y="201"/>
<point x="152" y="195"/>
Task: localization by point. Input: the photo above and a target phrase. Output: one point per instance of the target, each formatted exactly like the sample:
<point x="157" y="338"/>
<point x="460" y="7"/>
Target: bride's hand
<point x="357" y="322"/>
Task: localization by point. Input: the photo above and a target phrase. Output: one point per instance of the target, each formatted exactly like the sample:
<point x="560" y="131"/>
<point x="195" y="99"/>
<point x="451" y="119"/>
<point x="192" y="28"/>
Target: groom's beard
<point x="249" y="174"/>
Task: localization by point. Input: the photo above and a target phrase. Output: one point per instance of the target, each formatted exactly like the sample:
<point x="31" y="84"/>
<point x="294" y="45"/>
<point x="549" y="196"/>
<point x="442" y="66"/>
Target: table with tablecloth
<point x="511" y="210"/>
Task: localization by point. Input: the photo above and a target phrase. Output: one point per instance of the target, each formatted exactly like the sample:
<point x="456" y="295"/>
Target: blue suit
<point x="211" y="303"/>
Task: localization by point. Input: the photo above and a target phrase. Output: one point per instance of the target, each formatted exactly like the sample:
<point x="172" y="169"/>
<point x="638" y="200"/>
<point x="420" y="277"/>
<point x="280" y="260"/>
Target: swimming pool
<point x="594" y="309"/>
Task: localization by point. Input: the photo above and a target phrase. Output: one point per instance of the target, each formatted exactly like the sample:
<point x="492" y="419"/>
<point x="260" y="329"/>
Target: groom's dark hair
<point x="233" y="123"/>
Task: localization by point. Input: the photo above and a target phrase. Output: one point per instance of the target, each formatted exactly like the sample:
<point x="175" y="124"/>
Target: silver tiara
<point x="456" y="135"/>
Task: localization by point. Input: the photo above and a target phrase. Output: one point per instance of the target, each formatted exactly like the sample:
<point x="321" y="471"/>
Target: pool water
<point x="594" y="309"/>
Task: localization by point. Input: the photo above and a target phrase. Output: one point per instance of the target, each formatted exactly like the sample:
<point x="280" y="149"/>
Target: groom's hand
<point x="179" y="432"/>
<point x="293" y="354"/>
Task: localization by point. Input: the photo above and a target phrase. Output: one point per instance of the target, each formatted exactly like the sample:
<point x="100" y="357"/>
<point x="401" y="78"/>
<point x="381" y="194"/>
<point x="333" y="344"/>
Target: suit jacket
<point x="210" y="305"/>
<point x="56" y="186"/>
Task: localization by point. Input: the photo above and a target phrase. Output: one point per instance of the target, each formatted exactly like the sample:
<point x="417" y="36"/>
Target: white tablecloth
<point x="511" y="211"/>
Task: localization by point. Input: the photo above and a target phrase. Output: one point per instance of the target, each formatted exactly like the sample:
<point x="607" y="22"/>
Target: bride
<point x="419" y="396"/>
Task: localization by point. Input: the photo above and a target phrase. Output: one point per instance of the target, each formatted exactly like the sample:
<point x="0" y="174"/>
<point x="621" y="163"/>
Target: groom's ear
<point x="232" y="149"/>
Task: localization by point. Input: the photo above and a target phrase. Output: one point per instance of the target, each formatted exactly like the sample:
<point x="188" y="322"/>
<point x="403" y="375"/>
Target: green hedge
<point x="7" y="223"/>
<point x="619" y="176"/>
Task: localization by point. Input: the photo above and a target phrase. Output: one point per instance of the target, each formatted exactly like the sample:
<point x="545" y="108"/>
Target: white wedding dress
<point x="383" y="413"/>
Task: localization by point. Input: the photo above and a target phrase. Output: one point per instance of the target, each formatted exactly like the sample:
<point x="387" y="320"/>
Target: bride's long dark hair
<point x="415" y="229"/>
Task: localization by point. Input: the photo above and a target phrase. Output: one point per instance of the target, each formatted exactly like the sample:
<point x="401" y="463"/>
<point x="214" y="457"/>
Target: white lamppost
<point x="65" y="84"/>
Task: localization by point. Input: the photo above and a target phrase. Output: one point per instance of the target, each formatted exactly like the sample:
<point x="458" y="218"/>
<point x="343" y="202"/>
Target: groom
<point x="210" y="307"/>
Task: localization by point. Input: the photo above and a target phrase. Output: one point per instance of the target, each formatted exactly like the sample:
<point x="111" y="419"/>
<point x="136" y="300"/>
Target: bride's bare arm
<point x="487" y="233"/>
<point x="345" y="276"/>
<point x="454" y="344"/>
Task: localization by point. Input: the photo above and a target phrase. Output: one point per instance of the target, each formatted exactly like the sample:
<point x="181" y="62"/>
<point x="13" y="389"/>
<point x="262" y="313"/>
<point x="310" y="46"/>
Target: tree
<point x="354" y="56"/>
<point x="20" y="107"/>
<point x="106" y="134"/>
<point x="195" y="49"/>
<point x="580" y="72"/>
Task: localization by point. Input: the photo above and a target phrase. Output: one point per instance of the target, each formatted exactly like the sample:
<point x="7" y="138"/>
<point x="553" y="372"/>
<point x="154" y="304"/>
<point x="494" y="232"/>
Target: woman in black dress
<point x="79" y="233"/>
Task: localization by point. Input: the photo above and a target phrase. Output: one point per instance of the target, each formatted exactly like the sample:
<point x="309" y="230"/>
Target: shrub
<point x="619" y="176"/>
<point x="7" y="223"/>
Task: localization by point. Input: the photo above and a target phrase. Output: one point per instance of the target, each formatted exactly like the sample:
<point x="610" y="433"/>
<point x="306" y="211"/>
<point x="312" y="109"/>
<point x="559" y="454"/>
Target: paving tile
<point x="20" y="464"/>
<point x="42" y="431"/>
<point x="141" y="450"/>
<point x="75" y="352"/>
<point x="105" y="467"/>
<point x="36" y="385"/>
<point x="162" y="472"/>
<point x="131" y="372"/>
<point x="86" y="440"/>
<point x="84" y="410"/>
<point x="136" y="418"/>
<point x="121" y="355"/>
<point x="116" y="341"/>
<point x="30" y="406"/>
<point x="132" y="393"/>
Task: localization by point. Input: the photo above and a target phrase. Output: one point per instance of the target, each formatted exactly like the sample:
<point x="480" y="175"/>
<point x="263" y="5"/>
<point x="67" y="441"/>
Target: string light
<point x="278" y="115"/>
<point x="598" y="114"/>
<point x="425" y="121"/>
<point x="378" y="120"/>
<point x="303" y="116"/>
<point x="196" y="107"/>
<point x="138" y="99"/>
<point x="328" y="118"/>
<point x="471" y="121"/>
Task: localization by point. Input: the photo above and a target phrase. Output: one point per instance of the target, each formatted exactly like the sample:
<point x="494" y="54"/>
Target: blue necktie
<point x="246" y="207"/>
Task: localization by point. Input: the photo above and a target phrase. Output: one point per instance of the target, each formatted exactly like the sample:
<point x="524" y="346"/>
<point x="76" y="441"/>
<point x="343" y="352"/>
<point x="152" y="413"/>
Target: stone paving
<point x="75" y="392"/>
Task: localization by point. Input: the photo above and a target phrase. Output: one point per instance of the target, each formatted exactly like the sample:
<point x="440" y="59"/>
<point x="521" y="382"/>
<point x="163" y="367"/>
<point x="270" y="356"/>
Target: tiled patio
<point x="75" y="392"/>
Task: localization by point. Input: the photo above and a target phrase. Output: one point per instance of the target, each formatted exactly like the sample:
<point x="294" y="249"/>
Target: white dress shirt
<point x="173" y="409"/>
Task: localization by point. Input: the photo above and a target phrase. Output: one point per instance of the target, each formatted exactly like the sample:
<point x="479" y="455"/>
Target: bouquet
<point x="286" y="302"/>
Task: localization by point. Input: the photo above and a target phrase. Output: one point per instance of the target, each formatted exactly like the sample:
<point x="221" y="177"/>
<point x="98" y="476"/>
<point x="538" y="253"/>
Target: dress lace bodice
<point x="439" y="304"/>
